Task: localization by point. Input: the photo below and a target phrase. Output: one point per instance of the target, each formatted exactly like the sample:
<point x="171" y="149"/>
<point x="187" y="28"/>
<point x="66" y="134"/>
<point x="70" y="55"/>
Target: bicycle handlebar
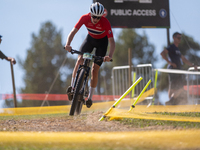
<point x="81" y="53"/>
<point x="76" y="52"/>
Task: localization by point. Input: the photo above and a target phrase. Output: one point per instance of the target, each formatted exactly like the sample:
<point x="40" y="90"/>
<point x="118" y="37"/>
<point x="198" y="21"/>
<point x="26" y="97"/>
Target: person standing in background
<point x="175" y="61"/>
<point x="2" y="56"/>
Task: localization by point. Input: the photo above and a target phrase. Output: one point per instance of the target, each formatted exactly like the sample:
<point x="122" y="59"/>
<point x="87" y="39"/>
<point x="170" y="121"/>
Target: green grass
<point x="142" y="123"/>
<point x="187" y="114"/>
<point x="40" y="116"/>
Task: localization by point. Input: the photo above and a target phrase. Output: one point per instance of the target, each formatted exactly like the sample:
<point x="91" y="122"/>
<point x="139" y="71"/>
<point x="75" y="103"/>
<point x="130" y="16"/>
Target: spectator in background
<point x="175" y="61"/>
<point x="2" y="56"/>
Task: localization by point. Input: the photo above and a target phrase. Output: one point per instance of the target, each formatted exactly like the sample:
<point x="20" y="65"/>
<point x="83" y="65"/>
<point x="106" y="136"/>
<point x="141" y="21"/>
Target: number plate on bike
<point x="87" y="56"/>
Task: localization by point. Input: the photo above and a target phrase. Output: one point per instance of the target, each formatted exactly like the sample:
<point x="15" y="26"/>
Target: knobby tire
<point x="76" y="104"/>
<point x="79" y="107"/>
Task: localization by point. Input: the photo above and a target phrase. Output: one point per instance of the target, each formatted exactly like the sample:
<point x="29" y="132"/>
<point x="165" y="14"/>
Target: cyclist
<point x="2" y="56"/>
<point x="99" y="33"/>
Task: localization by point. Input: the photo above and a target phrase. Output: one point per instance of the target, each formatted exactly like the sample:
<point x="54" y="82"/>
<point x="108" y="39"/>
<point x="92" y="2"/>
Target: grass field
<point x="125" y="133"/>
<point x="142" y="123"/>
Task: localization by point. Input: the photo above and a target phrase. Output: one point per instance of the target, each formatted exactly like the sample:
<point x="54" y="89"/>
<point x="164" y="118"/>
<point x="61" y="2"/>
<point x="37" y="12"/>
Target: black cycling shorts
<point x="101" y="46"/>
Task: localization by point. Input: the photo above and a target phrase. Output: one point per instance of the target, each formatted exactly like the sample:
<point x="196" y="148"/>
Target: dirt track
<point x="85" y="122"/>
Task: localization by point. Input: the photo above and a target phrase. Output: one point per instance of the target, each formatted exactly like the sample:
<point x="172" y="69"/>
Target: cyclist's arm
<point x="70" y="38"/>
<point x="112" y="46"/>
<point x="112" y="49"/>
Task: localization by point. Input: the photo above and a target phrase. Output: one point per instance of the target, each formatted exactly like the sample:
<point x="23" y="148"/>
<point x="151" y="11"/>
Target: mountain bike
<point x="80" y="88"/>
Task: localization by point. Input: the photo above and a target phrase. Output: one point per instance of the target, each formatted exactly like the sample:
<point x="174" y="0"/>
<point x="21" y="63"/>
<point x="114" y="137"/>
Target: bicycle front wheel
<point x="79" y="107"/>
<point x="77" y="101"/>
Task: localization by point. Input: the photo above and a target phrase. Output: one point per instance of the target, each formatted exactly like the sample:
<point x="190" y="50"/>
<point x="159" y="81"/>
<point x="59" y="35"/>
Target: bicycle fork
<point x="81" y="92"/>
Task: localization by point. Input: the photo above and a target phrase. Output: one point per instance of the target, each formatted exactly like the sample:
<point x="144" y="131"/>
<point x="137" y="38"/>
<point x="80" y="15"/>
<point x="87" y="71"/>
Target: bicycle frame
<point x="87" y="68"/>
<point x="81" y="81"/>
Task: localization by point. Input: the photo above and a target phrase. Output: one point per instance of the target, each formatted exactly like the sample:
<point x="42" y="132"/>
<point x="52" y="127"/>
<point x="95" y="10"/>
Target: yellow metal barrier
<point x="119" y="100"/>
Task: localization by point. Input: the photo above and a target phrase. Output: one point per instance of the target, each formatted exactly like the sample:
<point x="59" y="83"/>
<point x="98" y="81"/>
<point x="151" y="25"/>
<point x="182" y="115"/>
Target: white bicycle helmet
<point x="97" y="9"/>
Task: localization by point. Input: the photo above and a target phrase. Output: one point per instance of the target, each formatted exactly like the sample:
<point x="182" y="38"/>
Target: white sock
<point x="91" y="92"/>
<point x="72" y="81"/>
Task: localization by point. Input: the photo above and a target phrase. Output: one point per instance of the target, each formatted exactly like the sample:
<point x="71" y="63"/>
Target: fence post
<point x="13" y="83"/>
<point x="130" y="65"/>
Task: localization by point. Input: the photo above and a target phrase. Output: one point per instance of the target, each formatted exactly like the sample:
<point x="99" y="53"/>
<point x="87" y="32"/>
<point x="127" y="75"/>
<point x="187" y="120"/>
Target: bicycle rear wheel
<point x="77" y="101"/>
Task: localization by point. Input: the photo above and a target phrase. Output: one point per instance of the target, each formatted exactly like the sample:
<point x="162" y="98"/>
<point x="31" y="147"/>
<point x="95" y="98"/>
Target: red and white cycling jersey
<point x="97" y="31"/>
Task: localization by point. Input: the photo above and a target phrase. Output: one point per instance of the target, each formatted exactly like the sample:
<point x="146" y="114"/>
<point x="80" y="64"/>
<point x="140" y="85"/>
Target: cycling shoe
<point x="89" y="103"/>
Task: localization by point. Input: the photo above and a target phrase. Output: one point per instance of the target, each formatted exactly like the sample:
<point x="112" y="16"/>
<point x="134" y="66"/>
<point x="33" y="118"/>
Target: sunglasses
<point x="95" y="17"/>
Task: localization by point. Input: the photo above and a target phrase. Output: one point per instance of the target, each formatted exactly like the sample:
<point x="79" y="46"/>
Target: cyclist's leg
<point x="94" y="79"/>
<point x="78" y="62"/>
<point x="70" y="89"/>
<point x="101" y="49"/>
<point x="93" y="83"/>
<point x="94" y="75"/>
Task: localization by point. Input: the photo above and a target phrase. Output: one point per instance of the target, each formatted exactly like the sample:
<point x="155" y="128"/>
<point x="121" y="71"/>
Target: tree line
<point x="46" y="54"/>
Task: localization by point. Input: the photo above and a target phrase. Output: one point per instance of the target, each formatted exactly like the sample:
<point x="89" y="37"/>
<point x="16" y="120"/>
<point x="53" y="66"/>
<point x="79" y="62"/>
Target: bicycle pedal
<point x="69" y="93"/>
<point x="69" y="89"/>
<point x="70" y="97"/>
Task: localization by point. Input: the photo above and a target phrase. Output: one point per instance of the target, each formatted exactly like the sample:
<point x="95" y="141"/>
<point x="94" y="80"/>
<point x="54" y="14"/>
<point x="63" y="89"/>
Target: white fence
<point x="120" y="79"/>
<point x="193" y="88"/>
